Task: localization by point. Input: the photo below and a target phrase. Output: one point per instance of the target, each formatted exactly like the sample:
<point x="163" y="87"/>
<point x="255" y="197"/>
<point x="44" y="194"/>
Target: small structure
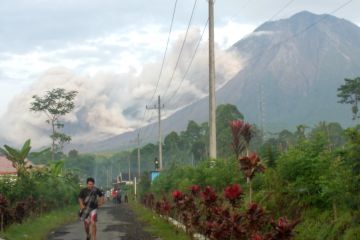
<point x="7" y="167"/>
<point x="154" y="175"/>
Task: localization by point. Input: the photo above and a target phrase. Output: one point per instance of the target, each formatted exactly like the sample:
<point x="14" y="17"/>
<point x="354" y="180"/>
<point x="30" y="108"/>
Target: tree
<point x="193" y="132"/>
<point x="349" y="93"/>
<point x="41" y="157"/>
<point x="18" y="156"/>
<point x="224" y="114"/>
<point x="73" y="154"/>
<point x="286" y="139"/>
<point x="54" y="104"/>
<point x="333" y="133"/>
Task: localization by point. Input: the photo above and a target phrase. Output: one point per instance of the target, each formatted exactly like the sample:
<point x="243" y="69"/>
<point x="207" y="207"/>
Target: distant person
<point x="108" y="195"/>
<point x="90" y="198"/>
<point x="118" y="196"/>
<point x="126" y="198"/>
<point x="113" y="195"/>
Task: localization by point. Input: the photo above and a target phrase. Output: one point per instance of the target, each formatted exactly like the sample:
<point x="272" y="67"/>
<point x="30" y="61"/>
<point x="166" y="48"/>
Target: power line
<point x="282" y="42"/>
<point x="295" y="35"/>
<point x="189" y="66"/>
<point x="192" y="105"/>
<point x="320" y="20"/>
<point x="190" y="63"/>
<point x="282" y="9"/>
<point x="164" y="57"/>
<point x="182" y="48"/>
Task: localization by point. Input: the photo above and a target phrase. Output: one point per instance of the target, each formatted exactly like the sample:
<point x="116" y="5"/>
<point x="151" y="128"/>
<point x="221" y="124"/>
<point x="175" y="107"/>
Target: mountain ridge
<point x="294" y="66"/>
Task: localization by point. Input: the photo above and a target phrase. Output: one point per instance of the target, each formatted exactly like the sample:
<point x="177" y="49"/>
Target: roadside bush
<point x="35" y="193"/>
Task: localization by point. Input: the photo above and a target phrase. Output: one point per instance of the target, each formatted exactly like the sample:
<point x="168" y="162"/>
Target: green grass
<point x="37" y="228"/>
<point x="156" y="225"/>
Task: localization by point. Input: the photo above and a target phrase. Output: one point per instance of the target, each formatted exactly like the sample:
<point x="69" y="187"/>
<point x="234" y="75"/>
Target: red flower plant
<point x="233" y="193"/>
<point x="250" y="165"/>
<point x="209" y="196"/>
<point x="241" y="134"/>
<point x="284" y="229"/>
<point x="165" y="207"/>
<point x="195" y="189"/>
<point x="257" y="237"/>
<point x="255" y="216"/>
<point x="177" y="195"/>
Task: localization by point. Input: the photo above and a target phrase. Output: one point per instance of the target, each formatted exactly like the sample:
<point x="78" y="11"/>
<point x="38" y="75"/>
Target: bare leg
<point x="93" y="230"/>
<point x="86" y="226"/>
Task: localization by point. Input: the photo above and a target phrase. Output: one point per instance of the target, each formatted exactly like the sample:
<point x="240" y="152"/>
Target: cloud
<point x="110" y="103"/>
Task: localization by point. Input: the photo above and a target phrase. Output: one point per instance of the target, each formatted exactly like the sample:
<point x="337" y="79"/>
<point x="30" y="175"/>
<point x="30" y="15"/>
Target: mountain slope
<point x="294" y="67"/>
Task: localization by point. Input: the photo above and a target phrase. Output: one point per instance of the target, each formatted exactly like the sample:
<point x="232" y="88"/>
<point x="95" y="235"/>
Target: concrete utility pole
<point x="159" y="107"/>
<point x="129" y="168"/>
<point x="212" y="101"/>
<point x="138" y="155"/>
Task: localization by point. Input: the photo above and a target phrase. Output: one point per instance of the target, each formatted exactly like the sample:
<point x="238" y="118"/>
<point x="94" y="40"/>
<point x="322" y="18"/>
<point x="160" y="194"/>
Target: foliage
<point x="224" y="114"/>
<point x="17" y="157"/>
<point x="311" y="171"/>
<point x="35" y="190"/>
<point x="38" y="227"/>
<point x="157" y="225"/>
<point x="56" y="103"/>
<point x="349" y="93"/>
<point x="216" y="217"/>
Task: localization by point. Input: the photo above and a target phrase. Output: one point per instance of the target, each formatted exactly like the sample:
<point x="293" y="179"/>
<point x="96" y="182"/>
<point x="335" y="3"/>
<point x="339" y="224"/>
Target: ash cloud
<point x="109" y="104"/>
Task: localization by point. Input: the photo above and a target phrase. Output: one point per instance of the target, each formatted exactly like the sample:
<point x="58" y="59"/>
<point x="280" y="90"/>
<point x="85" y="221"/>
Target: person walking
<point x="90" y="198"/>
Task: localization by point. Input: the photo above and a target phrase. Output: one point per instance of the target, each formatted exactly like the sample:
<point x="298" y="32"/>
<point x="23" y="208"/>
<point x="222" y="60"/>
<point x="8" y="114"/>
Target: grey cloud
<point x="108" y="103"/>
<point x="54" y="23"/>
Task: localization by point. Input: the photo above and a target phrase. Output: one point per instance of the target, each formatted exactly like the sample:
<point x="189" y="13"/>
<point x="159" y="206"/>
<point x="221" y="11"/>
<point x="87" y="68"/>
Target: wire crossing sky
<point x="122" y="54"/>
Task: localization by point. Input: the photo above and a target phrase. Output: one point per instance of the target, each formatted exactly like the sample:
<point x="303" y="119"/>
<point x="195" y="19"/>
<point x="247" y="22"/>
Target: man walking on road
<point x="90" y="198"/>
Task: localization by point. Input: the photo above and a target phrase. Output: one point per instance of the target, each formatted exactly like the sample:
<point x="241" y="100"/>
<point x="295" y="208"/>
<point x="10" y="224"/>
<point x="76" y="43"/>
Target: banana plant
<point x="56" y="168"/>
<point x="17" y="156"/>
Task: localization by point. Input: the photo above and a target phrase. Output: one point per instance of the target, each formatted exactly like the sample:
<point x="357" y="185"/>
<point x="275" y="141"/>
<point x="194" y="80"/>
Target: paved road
<point x="114" y="222"/>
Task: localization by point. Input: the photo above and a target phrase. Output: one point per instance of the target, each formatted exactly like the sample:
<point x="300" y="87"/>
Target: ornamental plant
<point x="249" y="163"/>
<point x="223" y="217"/>
<point x="233" y="194"/>
<point x="241" y="136"/>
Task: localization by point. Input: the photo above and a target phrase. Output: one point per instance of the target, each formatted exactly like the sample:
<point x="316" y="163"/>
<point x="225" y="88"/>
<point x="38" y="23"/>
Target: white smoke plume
<point x="109" y="104"/>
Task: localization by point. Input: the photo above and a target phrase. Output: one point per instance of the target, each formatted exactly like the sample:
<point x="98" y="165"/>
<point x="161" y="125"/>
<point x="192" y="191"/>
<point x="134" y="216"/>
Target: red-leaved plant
<point x="217" y="217"/>
<point x="233" y="194"/>
<point x="224" y="217"/>
<point x="241" y="136"/>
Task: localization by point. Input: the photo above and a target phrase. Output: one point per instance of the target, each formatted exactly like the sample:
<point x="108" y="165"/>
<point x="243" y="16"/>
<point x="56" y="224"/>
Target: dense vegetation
<point x="34" y="191"/>
<point x="311" y="173"/>
<point x="311" y="176"/>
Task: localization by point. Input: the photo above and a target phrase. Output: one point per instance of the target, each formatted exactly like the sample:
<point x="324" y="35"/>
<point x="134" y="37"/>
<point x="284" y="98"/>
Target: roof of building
<point x="6" y="166"/>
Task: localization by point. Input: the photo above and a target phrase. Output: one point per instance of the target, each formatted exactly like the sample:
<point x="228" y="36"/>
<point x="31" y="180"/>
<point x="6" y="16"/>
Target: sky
<point x="112" y="51"/>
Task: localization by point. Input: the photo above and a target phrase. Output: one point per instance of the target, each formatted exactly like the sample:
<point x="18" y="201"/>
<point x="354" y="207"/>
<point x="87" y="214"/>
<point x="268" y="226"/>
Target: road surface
<point x="115" y="222"/>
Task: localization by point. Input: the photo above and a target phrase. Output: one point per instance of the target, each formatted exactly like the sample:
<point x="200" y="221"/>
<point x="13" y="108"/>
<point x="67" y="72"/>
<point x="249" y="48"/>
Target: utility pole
<point x="111" y="175"/>
<point x="129" y="168"/>
<point x="107" y="178"/>
<point x="138" y="155"/>
<point x="159" y="107"/>
<point x="212" y="101"/>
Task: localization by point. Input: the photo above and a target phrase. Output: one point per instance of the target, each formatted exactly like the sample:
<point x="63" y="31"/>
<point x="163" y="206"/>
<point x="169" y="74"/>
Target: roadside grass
<point x="37" y="228"/>
<point x="156" y="225"/>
